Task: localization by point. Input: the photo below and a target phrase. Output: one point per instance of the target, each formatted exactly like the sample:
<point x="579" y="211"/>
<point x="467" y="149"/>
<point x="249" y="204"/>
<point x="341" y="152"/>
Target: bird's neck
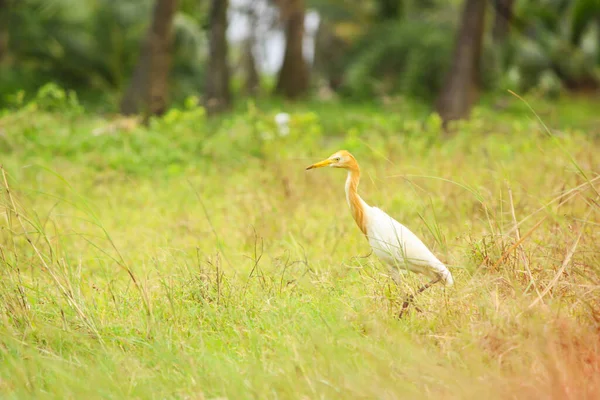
<point x="357" y="205"/>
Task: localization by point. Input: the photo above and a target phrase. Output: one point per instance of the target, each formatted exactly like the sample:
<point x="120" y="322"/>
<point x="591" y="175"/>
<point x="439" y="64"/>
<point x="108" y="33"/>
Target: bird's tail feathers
<point x="445" y="275"/>
<point x="447" y="278"/>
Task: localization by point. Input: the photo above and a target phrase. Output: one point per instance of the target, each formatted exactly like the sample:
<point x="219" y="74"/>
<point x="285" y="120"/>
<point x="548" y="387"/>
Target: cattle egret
<point x="391" y="241"/>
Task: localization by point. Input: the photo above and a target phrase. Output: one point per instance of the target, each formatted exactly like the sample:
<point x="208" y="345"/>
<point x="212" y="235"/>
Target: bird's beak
<point x="320" y="164"/>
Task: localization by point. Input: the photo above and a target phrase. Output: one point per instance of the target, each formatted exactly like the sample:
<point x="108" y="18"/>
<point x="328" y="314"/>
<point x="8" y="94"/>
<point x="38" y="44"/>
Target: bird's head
<point x="339" y="159"/>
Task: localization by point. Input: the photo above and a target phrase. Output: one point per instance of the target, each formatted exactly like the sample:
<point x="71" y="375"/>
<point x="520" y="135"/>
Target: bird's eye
<point x="337" y="159"/>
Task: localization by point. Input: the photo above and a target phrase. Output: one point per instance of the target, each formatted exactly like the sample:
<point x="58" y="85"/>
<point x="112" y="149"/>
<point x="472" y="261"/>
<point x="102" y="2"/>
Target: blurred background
<point x="146" y="56"/>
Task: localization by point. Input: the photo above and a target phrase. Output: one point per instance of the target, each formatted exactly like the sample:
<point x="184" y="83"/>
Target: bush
<point x="93" y="46"/>
<point x="407" y="57"/>
<point x="560" y="49"/>
<point x="410" y="58"/>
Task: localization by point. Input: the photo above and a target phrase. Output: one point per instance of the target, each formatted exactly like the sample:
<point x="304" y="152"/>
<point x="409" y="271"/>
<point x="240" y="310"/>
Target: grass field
<point x="197" y="259"/>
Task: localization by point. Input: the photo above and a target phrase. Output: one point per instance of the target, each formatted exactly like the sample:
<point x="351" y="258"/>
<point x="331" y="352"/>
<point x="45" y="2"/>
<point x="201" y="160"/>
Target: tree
<point x="502" y="19"/>
<point x="218" y="96"/>
<point x="148" y="89"/>
<point x="389" y="9"/>
<point x="461" y="86"/>
<point x="3" y="29"/>
<point x="251" y="74"/>
<point x="293" y="80"/>
<point x="585" y="13"/>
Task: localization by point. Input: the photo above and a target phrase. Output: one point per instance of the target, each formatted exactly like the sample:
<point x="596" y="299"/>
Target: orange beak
<point x="320" y="164"/>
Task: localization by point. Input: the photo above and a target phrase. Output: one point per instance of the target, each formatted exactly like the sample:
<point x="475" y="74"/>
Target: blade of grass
<point x="564" y="264"/>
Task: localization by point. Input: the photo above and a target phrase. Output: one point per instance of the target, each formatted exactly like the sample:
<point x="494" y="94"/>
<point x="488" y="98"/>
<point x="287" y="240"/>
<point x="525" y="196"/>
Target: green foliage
<point x="411" y="56"/>
<point x="555" y="45"/>
<point x="52" y="126"/>
<point x="408" y="57"/>
<point x="180" y="138"/>
<point x="562" y="49"/>
<point x="52" y="97"/>
<point x="234" y="273"/>
<point x="84" y="43"/>
<point x="585" y="13"/>
<point x="92" y="46"/>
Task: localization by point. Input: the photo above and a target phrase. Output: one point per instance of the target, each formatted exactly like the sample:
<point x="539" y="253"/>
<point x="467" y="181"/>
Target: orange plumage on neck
<point x="354" y="200"/>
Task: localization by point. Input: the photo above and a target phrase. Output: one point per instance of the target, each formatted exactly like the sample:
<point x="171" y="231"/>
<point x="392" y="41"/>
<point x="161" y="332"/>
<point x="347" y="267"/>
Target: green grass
<point x="198" y="259"/>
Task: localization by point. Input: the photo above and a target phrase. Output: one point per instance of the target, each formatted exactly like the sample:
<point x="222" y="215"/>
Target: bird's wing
<point x="398" y="246"/>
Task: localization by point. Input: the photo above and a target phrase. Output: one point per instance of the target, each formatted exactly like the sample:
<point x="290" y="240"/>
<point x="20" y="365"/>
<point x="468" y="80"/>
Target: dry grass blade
<point x="554" y="138"/>
<point x="518" y="243"/>
<point x="64" y="290"/>
<point x="518" y="236"/>
<point x="563" y="198"/>
<point x="565" y="263"/>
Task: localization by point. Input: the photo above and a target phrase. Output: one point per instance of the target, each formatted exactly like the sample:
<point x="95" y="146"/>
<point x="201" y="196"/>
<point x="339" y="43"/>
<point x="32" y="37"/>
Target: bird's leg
<point x="410" y="298"/>
<point x="367" y="256"/>
<point x="395" y="275"/>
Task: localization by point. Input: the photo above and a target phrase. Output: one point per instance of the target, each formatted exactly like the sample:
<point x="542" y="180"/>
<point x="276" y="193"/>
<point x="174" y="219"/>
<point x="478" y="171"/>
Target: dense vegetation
<point x="372" y="48"/>
<point x="196" y="258"/>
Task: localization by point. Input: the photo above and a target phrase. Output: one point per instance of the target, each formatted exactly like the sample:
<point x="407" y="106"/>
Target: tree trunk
<point x="460" y="90"/>
<point x="3" y="30"/>
<point x="502" y="19"/>
<point x="251" y="74"/>
<point x="148" y="89"/>
<point x="218" y="96"/>
<point x="251" y="78"/>
<point x="293" y="80"/>
<point x="389" y="9"/>
<point x="330" y="50"/>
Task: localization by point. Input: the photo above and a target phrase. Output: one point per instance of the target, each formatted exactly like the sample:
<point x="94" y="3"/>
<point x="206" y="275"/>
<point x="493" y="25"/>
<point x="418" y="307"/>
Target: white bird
<point x="391" y="241"/>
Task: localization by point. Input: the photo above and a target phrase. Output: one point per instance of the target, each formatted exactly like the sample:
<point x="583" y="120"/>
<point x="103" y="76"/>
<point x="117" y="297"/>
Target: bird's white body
<point x="401" y="249"/>
<point x="396" y="245"/>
